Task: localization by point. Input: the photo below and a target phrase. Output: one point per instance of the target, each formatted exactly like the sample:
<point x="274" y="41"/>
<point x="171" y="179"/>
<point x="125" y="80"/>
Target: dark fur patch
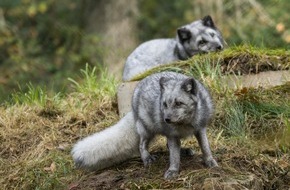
<point x="162" y="82"/>
<point x="184" y="34"/>
<point x="189" y="85"/>
<point x="207" y="21"/>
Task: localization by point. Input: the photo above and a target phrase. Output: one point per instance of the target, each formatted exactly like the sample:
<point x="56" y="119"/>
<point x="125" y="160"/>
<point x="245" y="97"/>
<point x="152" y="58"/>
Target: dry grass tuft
<point x="35" y="140"/>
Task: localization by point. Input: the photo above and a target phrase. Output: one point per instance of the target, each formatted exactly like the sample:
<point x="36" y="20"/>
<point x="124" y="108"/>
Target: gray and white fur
<point x="111" y="146"/>
<point x="175" y="106"/>
<point x="170" y="104"/>
<point x="201" y="36"/>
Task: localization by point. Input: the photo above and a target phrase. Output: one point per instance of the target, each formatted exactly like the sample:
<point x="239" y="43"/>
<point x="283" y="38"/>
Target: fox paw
<point x="149" y="160"/>
<point x="170" y="174"/>
<point x="210" y="163"/>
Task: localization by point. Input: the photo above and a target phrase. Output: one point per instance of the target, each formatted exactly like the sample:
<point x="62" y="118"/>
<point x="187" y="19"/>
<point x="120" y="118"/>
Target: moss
<point x="239" y="60"/>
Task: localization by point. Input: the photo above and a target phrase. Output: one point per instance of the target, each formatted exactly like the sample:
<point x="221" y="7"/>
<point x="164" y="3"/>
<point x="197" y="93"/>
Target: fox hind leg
<point x="201" y="137"/>
<point x="187" y="152"/>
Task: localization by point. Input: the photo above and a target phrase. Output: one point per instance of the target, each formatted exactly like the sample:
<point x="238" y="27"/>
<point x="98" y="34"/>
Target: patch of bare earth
<point x="238" y="169"/>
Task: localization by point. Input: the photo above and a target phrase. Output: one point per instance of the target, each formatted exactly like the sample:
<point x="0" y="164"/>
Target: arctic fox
<point x="201" y="36"/>
<point x="167" y="103"/>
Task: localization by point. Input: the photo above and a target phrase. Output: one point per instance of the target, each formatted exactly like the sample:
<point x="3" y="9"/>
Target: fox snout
<point x="219" y="47"/>
<point x="170" y="119"/>
<point x="167" y="120"/>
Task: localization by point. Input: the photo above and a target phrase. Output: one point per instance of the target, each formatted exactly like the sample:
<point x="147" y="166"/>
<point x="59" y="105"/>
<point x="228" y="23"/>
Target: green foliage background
<point x="45" y="42"/>
<point x="256" y="23"/>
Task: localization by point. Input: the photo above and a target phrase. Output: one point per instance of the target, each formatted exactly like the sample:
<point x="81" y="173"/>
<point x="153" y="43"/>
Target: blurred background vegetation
<point x="43" y="42"/>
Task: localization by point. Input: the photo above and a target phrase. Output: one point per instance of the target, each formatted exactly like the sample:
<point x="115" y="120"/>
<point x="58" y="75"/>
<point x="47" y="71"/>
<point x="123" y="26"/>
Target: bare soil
<point x="265" y="170"/>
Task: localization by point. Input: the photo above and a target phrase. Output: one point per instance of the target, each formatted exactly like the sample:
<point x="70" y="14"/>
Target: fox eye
<point x="177" y="103"/>
<point x="211" y="34"/>
<point x="164" y="104"/>
<point x="202" y="42"/>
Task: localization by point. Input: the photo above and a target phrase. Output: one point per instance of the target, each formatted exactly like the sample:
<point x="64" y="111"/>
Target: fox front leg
<point x="145" y="139"/>
<point x="174" y="157"/>
<point x="201" y="137"/>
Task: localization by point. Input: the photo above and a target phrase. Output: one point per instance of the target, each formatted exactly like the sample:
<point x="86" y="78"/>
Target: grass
<point x="100" y="85"/>
<point x="239" y="60"/>
<point x="37" y="131"/>
<point x="249" y="136"/>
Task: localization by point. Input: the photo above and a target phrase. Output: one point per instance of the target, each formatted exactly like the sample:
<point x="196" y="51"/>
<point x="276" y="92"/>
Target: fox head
<point x="178" y="100"/>
<point x="201" y="36"/>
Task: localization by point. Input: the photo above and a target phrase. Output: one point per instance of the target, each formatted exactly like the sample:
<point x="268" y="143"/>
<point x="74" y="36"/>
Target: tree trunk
<point x="115" y="21"/>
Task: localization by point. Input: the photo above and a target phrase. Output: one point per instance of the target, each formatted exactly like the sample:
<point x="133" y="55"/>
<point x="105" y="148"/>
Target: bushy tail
<point x="108" y="147"/>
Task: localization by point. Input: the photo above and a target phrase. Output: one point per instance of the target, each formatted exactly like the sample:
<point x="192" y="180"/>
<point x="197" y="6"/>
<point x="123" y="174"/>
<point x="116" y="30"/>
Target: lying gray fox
<point x="200" y="36"/>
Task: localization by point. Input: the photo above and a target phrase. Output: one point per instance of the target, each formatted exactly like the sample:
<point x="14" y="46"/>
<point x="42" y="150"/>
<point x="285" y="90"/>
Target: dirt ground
<point x="268" y="169"/>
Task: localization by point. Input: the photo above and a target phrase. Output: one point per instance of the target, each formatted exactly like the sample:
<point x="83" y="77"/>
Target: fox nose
<point x="219" y="47"/>
<point x="167" y="120"/>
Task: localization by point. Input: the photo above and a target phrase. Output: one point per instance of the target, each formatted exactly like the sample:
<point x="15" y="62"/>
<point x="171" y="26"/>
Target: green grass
<point x="100" y="85"/>
<point x="250" y="134"/>
<point x="238" y="60"/>
<point x="34" y="95"/>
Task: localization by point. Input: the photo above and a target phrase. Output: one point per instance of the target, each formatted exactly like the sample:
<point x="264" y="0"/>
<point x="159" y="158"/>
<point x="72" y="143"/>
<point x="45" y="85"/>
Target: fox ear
<point x="183" y="34"/>
<point x="207" y="21"/>
<point x="189" y="85"/>
<point x="162" y="82"/>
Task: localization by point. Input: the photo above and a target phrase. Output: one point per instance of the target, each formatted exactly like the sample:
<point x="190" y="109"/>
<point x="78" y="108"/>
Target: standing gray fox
<point x="201" y="36"/>
<point x="167" y="103"/>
